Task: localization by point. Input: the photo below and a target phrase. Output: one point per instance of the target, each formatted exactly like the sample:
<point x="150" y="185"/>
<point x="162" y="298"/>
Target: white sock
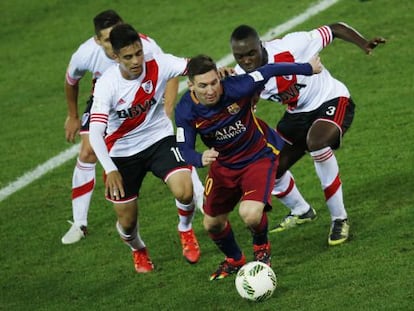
<point x="286" y="191"/>
<point x="197" y="184"/>
<point x="327" y="170"/>
<point x="133" y="240"/>
<point x="198" y="189"/>
<point x="185" y="215"/>
<point x="83" y="183"/>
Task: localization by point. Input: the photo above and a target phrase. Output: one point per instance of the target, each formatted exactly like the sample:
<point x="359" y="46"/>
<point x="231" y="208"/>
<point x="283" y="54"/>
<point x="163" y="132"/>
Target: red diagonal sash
<point x="141" y="104"/>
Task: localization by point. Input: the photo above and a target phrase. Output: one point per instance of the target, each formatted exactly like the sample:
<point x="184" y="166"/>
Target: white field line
<point x="68" y="154"/>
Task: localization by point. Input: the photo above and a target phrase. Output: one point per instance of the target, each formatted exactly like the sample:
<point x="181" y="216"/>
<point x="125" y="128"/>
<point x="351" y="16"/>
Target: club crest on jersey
<point x="233" y="108"/>
<point x="147" y="87"/>
<point x="288" y="78"/>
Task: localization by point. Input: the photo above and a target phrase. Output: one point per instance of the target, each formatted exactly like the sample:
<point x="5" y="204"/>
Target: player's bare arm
<point x="72" y="123"/>
<point x="170" y="96"/>
<point x="347" y="33"/>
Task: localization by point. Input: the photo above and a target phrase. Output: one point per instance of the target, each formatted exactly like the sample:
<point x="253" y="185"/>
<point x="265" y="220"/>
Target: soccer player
<point x="131" y="135"/>
<point x="95" y="55"/>
<point x="242" y="152"/>
<point x="319" y="110"/>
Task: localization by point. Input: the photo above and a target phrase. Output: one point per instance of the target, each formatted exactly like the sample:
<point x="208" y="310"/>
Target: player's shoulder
<point x="145" y="38"/>
<point x="186" y="104"/>
<point x="88" y="47"/>
<point x="110" y="75"/>
<point x="186" y="100"/>
<point x="290" y="43"/>
<point x="149" y="45"/>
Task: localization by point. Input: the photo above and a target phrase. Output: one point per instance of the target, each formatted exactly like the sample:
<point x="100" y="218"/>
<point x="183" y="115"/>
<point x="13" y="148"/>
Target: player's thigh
<point x="167" y="163"/>
<point x="133" y="171"/>
<point x="222" y="190"/>
<point x="289" y="155"/>
<point x="257" y="180"/>
<point x="333" y="118"/>
<point x="181" y="185"/>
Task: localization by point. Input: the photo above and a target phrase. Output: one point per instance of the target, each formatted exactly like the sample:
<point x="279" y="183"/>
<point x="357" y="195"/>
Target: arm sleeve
<point x="281" y="69"/>
<point x="98" y="125"/>
<point x="240" y="86"/>
<point x="96" y="137"/>
<point x="186" y="137"/>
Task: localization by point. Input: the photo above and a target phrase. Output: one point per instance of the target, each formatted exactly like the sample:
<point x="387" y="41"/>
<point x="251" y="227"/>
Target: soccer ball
<point x="256" y="281"/>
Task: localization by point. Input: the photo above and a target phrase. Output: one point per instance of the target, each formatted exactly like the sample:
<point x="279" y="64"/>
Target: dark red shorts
<point x="225" y="188"/>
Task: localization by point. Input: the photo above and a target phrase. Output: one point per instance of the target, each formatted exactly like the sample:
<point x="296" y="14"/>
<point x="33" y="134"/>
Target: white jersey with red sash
<point x="301" y="93"/>
<point x="133" y="110"/>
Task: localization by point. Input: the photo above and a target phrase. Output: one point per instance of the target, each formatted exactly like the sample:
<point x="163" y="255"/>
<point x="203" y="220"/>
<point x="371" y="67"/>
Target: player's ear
<point x="97" y="40"/>
<point x="190" y="85"/>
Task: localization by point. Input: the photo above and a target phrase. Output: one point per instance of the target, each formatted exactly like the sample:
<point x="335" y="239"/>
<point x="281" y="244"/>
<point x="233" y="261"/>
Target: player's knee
<point x="87" y="155"/>
<point x="250" y="216"/>
<point x="213" y="227"/>
<point x="184" y="195"/>
<point x="315" y="144"/>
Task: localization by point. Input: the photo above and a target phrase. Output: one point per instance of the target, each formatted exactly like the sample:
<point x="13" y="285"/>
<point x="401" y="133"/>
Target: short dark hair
<point x="123" y="35"/>
<point x="199" y="65"/>
<point x="106" y="19"/>
<point x="242" y="32"/>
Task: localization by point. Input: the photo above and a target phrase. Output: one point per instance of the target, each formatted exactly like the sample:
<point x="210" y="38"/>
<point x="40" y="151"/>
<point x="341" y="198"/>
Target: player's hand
<point x="316" y="64"/>
<point x="225" y="72"/>
<point x="372" y="44"/>
<point x="72" y="127"/>
<point x="209" y="156"/>
<point x="114" y="186"/>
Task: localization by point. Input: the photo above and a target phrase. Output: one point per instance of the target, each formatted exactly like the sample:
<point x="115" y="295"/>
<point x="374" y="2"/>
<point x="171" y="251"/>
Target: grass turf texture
<point x="374" y="271"/>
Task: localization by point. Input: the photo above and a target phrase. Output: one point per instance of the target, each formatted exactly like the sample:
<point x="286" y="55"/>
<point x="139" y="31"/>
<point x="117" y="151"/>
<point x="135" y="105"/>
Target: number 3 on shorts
<point x="330" y="110"/>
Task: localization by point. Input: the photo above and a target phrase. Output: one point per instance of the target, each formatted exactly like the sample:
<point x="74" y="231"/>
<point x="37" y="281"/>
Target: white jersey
<point x="132" y="110"/>
<point x="91" y="57"/>
<point x="301" y="93"/>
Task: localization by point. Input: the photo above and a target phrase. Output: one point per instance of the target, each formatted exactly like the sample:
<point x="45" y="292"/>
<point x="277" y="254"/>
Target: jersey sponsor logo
<point x="147" y="86"/>
<point x="137" y="110"/>
<point x="233" y="108"/>
<point x="230" y="131"/>
<point x="289" y="95"/>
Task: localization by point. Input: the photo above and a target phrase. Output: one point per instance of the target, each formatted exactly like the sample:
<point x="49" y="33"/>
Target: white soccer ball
<point x="256" y="281"/>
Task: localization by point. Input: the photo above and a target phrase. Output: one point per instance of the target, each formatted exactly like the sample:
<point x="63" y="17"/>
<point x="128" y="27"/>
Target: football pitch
<point x="373" y="271"/>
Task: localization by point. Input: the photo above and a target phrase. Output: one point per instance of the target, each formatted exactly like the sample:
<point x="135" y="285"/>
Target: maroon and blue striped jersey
<point x="230" y="126"/>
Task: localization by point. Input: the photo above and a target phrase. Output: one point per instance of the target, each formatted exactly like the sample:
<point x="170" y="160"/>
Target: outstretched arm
<point x="347" y="33"/>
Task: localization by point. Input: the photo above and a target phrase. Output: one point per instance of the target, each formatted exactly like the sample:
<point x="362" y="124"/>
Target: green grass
<point x="374" y="271"/>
